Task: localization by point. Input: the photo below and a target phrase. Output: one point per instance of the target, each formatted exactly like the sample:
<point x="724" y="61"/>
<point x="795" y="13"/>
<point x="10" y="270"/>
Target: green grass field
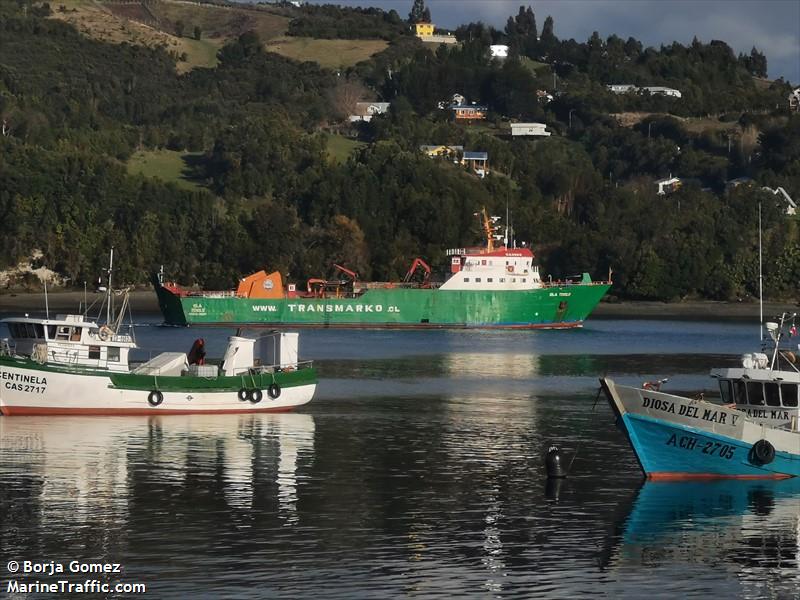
<point x="340" y="148"/>
<point x="167" y="165"/>
<point x="332" y="54"/>
<point x="532" y="65"/>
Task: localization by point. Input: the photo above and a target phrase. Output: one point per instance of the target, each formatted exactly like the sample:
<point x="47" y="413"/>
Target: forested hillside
<point x="255" y="131"/>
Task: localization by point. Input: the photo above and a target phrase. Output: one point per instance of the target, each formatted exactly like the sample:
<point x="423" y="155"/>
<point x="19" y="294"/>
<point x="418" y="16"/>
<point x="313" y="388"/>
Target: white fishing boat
<point x="76" y="365"/>
<point x="754" y="433"/>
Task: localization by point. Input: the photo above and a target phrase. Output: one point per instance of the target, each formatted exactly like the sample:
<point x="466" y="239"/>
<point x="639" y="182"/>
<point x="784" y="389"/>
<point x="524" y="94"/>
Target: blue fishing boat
<point x="754" y="434"/>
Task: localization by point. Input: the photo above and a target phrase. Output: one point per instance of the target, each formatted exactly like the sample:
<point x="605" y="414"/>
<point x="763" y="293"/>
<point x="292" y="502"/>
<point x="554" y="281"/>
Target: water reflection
<point x="73" y="472"/>
<point x="749" y="529"/>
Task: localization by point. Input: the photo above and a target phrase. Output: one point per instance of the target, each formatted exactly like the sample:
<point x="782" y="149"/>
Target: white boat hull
<point x="32" y="392"/>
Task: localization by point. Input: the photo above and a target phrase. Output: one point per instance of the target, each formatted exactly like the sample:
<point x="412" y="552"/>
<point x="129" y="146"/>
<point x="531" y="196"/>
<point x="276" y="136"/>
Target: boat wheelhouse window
<point x="51" y="332"/>
<point x="489" y="280"/>
<point x="30" y="330"/>
<point x="39" y="330"/>
<point x="75" y="335"/>
<point x="502" y="280"/>
<point x="771" y="393"/>
<point x="725" y="391"/>
<point x="524" y="280"/>
<point x="739" y="392"/>
<point x="62" y="332"/>
<point x="789" y="394"/>
<point x="113" y="354"/>
<point x="755" y="392"/>
<point x="466" y="279"/>
<point x="477" y="280"/>
<point x="94" y="352"/>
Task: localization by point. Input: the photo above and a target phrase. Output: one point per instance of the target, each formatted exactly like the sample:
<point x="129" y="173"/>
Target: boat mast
<point x="760" y="280"/>
<point x="109" y="310"/>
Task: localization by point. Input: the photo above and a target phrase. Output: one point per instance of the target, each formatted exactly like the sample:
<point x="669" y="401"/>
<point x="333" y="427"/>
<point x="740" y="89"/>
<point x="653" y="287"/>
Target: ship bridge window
<point x="51" y="332"/>
<point x="755" y="392"/>
<point x="725" y="391"/>
<point x="739" y="392"/>
<point x="789" y="394"/>
<point x="94" y="352"/>
<point x="466" y="279"/>
<point x="113" y="354"/>
<point x="477" y="280"/>
<point x="771" y="393"/>
<point x="489" y="279"/>
<point x="63" y="332"/>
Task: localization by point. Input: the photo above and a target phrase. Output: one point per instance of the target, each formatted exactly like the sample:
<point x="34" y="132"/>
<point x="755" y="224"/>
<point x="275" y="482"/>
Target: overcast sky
<point x="772" y="26"/>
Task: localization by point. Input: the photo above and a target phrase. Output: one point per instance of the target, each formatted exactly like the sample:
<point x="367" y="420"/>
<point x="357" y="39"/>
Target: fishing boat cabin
<point x="68" y="340"/>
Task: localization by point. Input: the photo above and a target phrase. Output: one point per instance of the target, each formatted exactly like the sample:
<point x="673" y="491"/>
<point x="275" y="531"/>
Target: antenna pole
<point x="85" y="304"/>
<point x="760" y="280"/>
<point x="505" y="239"/>
<point x="46" y="304"/>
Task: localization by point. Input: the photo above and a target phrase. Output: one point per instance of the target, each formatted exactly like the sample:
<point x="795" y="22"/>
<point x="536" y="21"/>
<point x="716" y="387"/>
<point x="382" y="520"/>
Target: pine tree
<point x="417" y="14"/>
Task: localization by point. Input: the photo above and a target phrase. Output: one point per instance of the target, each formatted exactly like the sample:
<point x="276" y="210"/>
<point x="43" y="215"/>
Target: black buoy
<point x="554" y="463"/>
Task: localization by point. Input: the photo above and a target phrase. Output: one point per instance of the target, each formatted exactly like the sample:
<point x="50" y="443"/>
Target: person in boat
<point x="197" y="354"/>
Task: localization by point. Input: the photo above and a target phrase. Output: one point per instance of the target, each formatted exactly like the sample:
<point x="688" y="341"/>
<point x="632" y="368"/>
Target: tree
<point x="417" y="14"/>
<point x="179" y="28"/>
<point x="197" y="32"/>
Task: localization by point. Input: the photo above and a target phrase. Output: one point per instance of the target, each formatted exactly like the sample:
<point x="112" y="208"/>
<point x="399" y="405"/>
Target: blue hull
<point x="671" y="451"/>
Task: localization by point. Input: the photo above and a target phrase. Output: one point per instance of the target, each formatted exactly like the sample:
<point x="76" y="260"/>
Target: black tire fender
<point x="274" y="390"/>
<point x="155" y="398"/>
<point x="256" y="395"/>
<point x="762" y="453"/>
<point x="244" y="394"/>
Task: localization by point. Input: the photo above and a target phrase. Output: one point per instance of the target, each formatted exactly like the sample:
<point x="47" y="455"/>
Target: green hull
<point x="550" y="307"/>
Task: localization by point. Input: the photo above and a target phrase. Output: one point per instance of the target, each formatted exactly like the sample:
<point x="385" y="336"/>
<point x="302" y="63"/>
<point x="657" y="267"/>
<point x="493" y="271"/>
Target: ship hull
<point x="683" y="438"/>
<point x="394" y="308"/>
<point x="28" y="388"/>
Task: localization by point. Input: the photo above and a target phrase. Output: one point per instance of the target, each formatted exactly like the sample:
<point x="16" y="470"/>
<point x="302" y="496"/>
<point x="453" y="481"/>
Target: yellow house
<point x="424" y="29"/>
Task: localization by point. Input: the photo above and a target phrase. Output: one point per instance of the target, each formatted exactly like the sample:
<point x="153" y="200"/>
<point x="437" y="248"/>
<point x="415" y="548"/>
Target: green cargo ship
<point x="487" y="287"/>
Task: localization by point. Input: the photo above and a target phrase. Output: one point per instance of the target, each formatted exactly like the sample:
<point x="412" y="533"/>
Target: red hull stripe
<point x="57" y="410"/>
<point x="676" y="476"/>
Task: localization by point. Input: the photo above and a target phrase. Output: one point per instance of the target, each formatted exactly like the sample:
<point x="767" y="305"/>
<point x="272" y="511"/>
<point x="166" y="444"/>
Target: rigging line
<point x="578" y="447"/>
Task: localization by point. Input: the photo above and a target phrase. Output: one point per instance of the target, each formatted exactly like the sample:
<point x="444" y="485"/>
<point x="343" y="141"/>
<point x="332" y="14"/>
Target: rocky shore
<point x="144" y="302"/>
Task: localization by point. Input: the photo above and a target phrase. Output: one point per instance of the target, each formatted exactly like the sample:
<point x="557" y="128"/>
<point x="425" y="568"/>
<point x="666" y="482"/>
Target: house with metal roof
<point x="477" y="161"/>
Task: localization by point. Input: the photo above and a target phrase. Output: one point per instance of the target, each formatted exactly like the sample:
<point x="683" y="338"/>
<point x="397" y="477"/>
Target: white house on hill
<point x="365" y="111"/>
<point x="624" y="88"/>
<point x="499" y="50"/>
<point x="531" y="129"/>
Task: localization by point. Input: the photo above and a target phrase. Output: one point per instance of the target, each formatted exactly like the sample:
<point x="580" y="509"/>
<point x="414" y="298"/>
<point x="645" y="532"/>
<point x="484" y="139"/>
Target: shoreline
<point x="145" y="302"/>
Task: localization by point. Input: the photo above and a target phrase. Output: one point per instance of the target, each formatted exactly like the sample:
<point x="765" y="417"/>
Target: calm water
<point x="415" y="472"/>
